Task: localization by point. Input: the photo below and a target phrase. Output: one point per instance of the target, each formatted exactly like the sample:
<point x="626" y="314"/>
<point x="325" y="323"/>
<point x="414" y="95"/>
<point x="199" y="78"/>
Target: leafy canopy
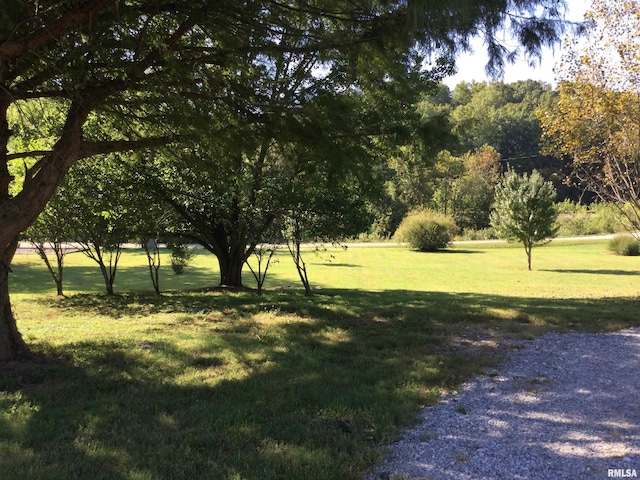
<point x="596" y="120"/>
<point x="137" y="69"/>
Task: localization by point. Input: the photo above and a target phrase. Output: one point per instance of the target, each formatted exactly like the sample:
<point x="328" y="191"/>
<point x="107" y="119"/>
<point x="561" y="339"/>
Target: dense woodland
<point x="478" y="130"/>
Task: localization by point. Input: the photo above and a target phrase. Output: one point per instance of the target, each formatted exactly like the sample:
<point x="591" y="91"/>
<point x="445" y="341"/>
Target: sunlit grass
<point x="202" y="383"/>
<point x="559" y="270"/>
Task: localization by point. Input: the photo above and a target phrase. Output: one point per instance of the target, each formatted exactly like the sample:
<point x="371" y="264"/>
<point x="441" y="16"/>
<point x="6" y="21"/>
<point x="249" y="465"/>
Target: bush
<point x="625" y="245"/>
<point x="426" y="230"/>
<point x="576" y="220"/>
<point x="180" y="257"/>
<point x="483" y="234"/>
<point x="607" y="218"/>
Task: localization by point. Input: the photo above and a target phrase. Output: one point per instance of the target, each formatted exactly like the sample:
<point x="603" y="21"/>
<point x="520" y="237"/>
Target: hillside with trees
<point x="475" y="131"/>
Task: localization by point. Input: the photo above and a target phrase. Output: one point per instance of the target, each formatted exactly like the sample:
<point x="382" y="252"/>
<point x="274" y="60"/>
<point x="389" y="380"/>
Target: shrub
<point x="483" y="234"/>
<point x="426" y="230"/>
<point x="180" y="257"/>
<point x="598" y="218"/>
<point x="625" y="245"/>
<point x="606" y="218"/>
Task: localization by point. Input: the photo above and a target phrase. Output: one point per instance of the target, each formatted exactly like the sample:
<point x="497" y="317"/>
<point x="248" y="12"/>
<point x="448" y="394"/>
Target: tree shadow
<point x="446" y="251"/>
<point x="343" y="265"/>
<point x="595" y="272"/>
<point x="27" y="277"/>
<point x="462" y="251"/>
<point x="248" y="396"/>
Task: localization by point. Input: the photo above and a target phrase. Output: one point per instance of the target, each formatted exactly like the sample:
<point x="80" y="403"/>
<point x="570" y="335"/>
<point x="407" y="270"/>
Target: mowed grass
<point x="203" y="383"/>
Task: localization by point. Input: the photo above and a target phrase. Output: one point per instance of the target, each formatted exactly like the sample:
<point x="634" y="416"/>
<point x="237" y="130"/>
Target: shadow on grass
<point x="597" y="272"/>
<point x="445" y="251"/>
<point x="442" y="309"/>
<point x="31" y="278"/>
<point x="461" y="251"/>
<point x="280" y="386"/>
<point x="35" y="278"/>
<point x="345" y="265"/>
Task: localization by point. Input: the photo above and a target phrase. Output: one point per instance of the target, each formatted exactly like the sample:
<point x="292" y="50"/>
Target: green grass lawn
<point x="202" y="383"/>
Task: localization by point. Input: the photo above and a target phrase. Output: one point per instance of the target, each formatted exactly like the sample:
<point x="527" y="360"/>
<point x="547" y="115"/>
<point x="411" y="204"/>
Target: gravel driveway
<point x="563" y="406"/>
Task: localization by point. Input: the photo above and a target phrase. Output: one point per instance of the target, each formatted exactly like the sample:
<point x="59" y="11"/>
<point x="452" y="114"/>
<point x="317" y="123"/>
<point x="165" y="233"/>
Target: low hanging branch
<point x="89" y="149"/>
<point x="29" y="154"/>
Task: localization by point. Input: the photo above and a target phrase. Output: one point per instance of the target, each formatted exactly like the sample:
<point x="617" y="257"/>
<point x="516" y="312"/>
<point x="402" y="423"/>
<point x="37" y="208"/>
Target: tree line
<point x="477" y="131"/>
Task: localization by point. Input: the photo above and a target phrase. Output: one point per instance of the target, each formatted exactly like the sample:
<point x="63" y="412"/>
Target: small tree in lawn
<point x="104" y="213"/>
<point x="524" y="211"/>
<point x="50" y="236"/>
<point x="321" y="212"/>
<point x="149" y="226"/>
<point x="264" y="257"/>
<point x="181" y="255"/>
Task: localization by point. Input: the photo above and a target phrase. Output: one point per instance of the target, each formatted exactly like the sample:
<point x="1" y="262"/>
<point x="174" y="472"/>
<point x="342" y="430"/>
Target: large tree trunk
<point x="11" y="343"/>
<point x="230" y="252"/>
<point x="231" y="265"/>
<point x="18" y="212"/>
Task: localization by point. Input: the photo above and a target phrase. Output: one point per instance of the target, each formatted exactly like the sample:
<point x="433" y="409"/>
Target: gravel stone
<point x="562" y="406"/>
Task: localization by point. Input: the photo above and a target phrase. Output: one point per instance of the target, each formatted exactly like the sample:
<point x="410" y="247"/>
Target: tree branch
<point x="89" y="149"/>
<point x="29" y="154"/>
<point x="52" y="31"/>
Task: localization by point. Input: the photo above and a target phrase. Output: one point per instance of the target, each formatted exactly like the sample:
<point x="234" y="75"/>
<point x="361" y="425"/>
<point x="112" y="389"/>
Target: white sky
<point x="471" y="66"/>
